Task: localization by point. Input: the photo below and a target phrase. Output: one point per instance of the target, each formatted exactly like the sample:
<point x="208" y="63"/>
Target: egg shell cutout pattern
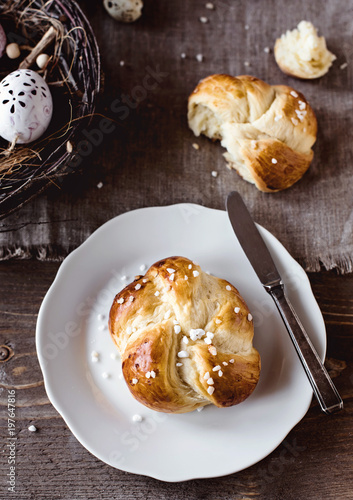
<point x="26" y="106"/>
<point x="2" y="41"/>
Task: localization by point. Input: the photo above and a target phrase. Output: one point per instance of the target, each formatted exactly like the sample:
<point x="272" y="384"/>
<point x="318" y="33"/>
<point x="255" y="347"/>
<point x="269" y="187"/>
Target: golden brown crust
<point x="268" y="131"/>
<point x="176" y="294"/>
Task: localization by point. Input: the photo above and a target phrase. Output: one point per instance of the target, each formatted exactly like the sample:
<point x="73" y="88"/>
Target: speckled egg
<point x="26" y="106"/>
<point x="2" y="41"/>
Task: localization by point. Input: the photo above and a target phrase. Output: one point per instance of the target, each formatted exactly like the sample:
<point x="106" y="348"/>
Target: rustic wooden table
<point x="315" y="459"/>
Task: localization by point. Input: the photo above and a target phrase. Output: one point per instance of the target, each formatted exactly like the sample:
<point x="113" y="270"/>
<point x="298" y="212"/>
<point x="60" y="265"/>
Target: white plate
<point x="99" y="411"/>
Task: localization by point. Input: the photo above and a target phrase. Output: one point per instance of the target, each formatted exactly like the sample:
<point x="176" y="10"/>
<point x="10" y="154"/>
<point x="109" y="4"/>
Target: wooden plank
<point x="313" y="462"/>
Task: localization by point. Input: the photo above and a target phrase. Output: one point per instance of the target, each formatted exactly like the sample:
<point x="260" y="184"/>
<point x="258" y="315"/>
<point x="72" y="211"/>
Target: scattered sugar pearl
<point x="228" y="287"/>
<point x="101" y="328"/>
<point x="301" y="105"/>
<point x="189" y="266"/>
<point x="196" y="333"/>
<point x="186" y="277"/>
<point x="131" y="298"/>
<point x="177" y="329"/>
<point x="122" y="63"/>
<point x="137" y="418"/>
<point x="214" y="173"/>
<point x="218" y="321"/>
<point x="231" y="361"/>
<point x="148" y="374"/>
<point x="210" y="381"/>
<point x="183" y="55"/>
<point x="274" y="161"/>
<point x="153" y="374"/>
<point x="200" y="409"/>
<point x="128" y="330"/>
<point x="100" y="185"/>
<point x="138" y="286"/>
<point x="220" y="373"/>
<point x="208" y="341"/>
<point x="344" y="65"/>
<point x="185" y="340"/>
<point x="294" y="121"/>
<point x="171" y="277"/>
<point x="278" y="117"/>
<point x="100" y="317"/>
<point x="95" y="356"/>
<point x="195" y="273"/>
<point x="134" y="381"/>
<point x="249" y="317"/>
<point x="120" y="301"/>
<point x="213" y="350"/>
<point x="246" y="63"/>
<point x="133" y="330"/>
<point x="114" y="355"/>
<point x="216" y="368"/>
<point x="32" y="428"/>
<point x="123" y="278"/>
<point x="195" y="146"/>
<point x="206" y="376"/>
<point x="144" y="280"/>
<point x="253" y="144"/>
<point x="203" y="20"/>
<point x="183" y="354"/>
<point x="293" y="93"/>
<point x="209" y="6"/>
<point x="175" y="322"/>
<point x="105" y="375"/>
<point x="156" y="293"/>
<point x="210" y="335"/>
<point x="267" y="50"/>
<point x="199" y="57"/>
<point x="179" y="364"/>
<point x="210" y="390"/>
<point x="170" y="270"/>
<point x="224" y="363"/>
<point x="236" y="310"/>
<point x="167" y="314"/>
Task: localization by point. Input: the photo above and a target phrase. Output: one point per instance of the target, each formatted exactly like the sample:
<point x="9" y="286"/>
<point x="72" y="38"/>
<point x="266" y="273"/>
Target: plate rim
<point x="56" y="403"/>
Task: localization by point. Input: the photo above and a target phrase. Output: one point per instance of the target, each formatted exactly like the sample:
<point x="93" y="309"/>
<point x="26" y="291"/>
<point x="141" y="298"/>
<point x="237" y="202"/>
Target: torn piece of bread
<point x="268" y="131"/>
<point x="302" y="53"/>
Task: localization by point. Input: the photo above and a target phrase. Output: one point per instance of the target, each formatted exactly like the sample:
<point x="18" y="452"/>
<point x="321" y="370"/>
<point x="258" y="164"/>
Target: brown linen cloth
<point x="146" y="158"/>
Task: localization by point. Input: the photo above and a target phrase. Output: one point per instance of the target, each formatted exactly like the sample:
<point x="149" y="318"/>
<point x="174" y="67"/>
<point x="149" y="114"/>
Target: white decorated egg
<point x="2" y="41"/>
<point x="26" y="106"/>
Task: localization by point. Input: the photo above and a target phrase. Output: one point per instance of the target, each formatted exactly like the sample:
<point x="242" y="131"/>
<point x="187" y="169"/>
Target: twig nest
<point x="13" y="51"/>
<point x="126" y="11"/>
<point x="2" y="41"/>
<point x="26" y="106"/>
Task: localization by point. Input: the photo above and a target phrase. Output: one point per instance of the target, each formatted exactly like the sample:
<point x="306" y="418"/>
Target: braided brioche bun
<point x="185" y="339"/>
<point x="268" y="131"/>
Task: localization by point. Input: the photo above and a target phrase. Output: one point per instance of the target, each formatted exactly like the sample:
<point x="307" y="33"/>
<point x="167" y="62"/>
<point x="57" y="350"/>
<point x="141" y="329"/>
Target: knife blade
<point x="261" y="260"/>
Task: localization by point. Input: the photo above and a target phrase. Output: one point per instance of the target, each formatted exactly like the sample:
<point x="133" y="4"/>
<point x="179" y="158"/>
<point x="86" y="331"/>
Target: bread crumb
<point x="344" y="65"/>
<point x="195" y="146"/>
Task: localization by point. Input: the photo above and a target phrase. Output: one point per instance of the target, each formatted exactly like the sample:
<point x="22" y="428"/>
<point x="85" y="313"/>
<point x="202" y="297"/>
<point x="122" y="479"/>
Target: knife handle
<point x="323" y="387"/>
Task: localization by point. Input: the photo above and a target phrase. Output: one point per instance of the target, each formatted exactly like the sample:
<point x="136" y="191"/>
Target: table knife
<point x="260" y="258"/>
